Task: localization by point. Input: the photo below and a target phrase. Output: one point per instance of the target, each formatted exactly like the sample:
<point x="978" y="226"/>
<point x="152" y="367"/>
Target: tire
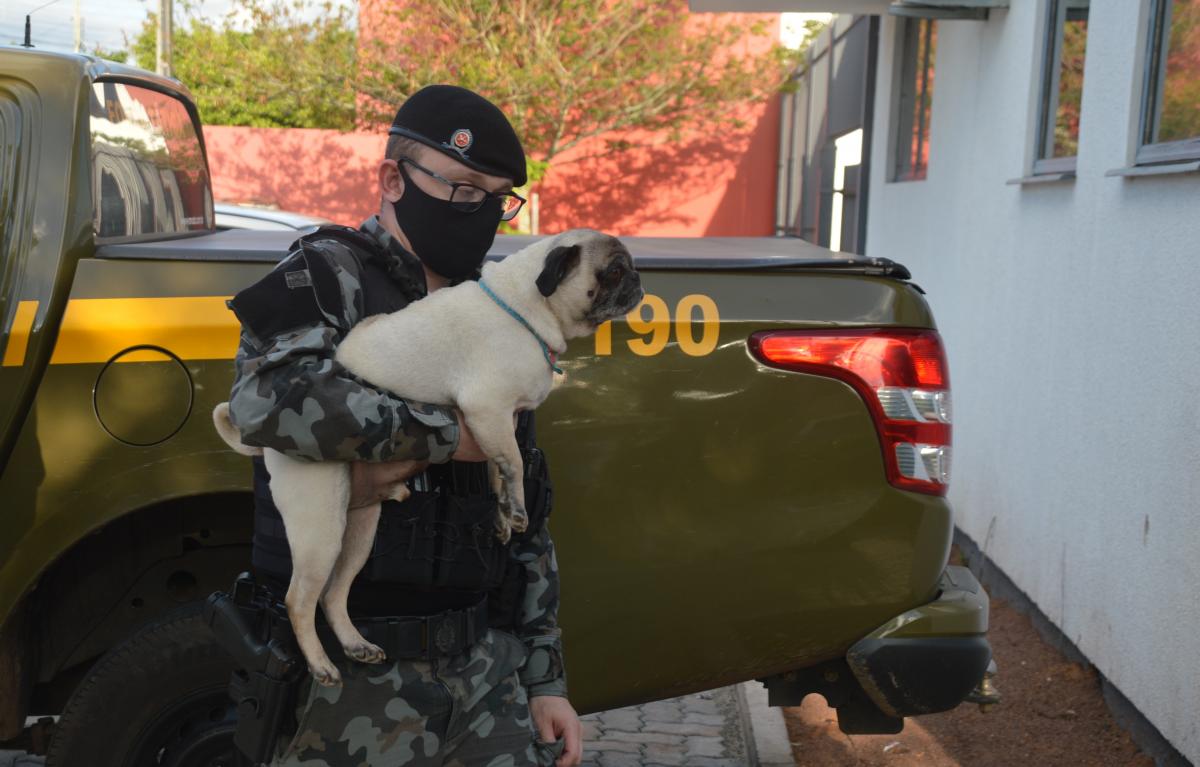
<point x="158" y="699"/>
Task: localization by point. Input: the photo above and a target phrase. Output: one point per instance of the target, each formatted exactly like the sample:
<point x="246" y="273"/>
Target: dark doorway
<point x="825" y="138"/>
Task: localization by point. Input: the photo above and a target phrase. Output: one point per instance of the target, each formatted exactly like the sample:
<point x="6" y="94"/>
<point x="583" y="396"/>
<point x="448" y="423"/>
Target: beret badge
<point x="461" y="140"/>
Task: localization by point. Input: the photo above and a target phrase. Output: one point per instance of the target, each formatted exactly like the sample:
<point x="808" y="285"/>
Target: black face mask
<point x="450" y="242"/>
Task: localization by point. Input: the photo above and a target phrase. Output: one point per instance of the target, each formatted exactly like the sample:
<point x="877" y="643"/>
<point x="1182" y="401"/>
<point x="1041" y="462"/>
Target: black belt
<point x="404" y="637"/>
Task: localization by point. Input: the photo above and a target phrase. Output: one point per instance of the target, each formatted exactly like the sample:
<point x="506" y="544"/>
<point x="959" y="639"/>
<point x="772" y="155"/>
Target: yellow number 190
<point x="658" y="327"/>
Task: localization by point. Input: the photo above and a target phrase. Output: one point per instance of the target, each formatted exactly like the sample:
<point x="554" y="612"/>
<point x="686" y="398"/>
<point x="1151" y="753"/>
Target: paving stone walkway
<point x="700" y="730"/>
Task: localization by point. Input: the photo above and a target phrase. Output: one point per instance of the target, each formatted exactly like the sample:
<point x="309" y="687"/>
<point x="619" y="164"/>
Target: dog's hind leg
<point x="356" y="548"/>
<point x="493" y="431"/>
<point x="312" y="498"/>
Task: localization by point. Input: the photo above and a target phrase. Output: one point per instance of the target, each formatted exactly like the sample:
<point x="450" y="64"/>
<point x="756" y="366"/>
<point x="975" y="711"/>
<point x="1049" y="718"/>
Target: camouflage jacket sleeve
<point x="537" y="613"/>
<point x="537" y="621"/>
<point x="291" y="395"/>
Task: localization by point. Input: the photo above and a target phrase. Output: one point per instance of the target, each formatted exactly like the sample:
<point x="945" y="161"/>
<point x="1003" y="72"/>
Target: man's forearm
<point x="295" y="398"/>
<point x="544" y="672"/>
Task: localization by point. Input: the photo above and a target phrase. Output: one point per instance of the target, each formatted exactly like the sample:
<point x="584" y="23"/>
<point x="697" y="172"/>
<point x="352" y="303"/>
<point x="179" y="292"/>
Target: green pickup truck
<point x="750" y="470"/>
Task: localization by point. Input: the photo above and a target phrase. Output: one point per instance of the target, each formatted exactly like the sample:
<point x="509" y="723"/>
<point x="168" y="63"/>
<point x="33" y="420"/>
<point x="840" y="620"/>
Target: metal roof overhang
<point x="783" y="6"/>
<point x="941" y="9"/>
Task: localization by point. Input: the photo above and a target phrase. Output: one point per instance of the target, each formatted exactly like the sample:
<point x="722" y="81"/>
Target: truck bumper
<point x="925" y="660"/>
<point x="930" y="658"/>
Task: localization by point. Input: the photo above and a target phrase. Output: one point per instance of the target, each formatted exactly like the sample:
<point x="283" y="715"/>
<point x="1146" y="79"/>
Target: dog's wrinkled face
<point x="589" y="279"/>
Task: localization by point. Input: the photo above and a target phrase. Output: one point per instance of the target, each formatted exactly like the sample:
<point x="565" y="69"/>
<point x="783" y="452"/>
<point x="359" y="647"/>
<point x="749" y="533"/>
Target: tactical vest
<point x="438" y="547"/>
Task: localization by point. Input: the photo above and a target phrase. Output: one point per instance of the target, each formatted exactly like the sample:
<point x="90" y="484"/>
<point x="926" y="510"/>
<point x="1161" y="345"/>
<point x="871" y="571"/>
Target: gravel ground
<point x="1052" y="714"/>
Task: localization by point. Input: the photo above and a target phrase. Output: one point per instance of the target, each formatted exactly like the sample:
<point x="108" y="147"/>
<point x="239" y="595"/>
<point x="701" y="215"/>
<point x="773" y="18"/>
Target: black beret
<point x="464" y="125"/>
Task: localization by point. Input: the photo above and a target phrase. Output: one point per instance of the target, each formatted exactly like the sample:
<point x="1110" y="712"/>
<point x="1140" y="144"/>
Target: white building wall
<point x="1071" y="314"/>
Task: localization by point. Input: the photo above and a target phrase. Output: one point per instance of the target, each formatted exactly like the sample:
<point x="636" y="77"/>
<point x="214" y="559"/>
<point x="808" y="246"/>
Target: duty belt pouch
<point x="539" y="490"/>
<point x="471" y="557"/>
<point x="405" y="542"/>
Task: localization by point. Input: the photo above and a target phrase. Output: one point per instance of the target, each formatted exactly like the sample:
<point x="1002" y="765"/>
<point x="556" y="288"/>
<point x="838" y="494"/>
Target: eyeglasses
<point x="469" y="198"/>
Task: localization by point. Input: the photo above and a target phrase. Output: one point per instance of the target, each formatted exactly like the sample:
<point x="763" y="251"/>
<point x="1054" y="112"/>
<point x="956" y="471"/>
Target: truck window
<point x="149" y="174"/>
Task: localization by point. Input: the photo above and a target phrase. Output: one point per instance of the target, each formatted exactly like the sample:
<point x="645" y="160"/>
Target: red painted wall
<point x="319" y="172"/>
<point x="717" y="185"/>
<point x="714" y="185"/>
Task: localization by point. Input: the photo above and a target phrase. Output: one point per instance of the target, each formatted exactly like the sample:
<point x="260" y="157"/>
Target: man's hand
<point x="555" y="718"/>
<point x="468" y="448"/>
<point x="372" y="482"/>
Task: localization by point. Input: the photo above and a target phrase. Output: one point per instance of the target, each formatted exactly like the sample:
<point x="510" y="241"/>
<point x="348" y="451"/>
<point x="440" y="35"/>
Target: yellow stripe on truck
<point x="18" y="334"/>
<point x="191" y="328"/>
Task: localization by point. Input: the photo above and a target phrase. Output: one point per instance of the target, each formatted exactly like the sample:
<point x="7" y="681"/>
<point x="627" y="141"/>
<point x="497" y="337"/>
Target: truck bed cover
<point x="732" y="253"/>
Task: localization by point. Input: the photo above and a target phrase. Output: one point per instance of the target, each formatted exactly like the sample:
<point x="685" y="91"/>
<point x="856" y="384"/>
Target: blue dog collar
<point x="551" y="357"/>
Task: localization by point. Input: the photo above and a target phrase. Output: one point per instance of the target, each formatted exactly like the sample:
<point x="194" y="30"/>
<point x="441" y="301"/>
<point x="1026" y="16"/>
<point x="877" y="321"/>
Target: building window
<point x="1171" y="111"/>
<point x="1062" y="86"/>
<point x="918" y="50"/>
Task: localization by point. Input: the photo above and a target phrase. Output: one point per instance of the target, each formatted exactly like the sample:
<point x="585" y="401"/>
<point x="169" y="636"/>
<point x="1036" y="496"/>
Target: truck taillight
<point x="902" y="377"/>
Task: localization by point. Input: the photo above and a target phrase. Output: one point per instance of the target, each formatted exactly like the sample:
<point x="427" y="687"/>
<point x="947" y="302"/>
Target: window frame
<point x="904" y="110"/>
<point x="1056" y="21"/>
<point x="1157" y="49"/>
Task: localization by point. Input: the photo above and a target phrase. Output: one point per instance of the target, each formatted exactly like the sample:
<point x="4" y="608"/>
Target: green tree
<point x="565" y="71"/>
<point x="267" y="63"/>
<point x="121" y="57"/>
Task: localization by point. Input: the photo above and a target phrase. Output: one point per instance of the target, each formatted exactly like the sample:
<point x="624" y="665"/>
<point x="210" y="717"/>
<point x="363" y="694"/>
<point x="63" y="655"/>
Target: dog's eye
<point x="611" y="276"/>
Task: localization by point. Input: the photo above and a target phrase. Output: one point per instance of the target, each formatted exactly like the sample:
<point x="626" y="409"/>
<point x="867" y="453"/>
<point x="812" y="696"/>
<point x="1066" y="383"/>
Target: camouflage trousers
<point x="469" y="710"/>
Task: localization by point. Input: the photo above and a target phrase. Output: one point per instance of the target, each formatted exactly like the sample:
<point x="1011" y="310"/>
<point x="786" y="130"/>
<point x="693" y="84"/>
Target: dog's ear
<point x="559" y="263"/>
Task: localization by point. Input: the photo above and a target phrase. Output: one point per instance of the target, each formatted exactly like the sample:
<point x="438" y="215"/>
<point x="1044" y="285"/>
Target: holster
<point x="265" y="687"/>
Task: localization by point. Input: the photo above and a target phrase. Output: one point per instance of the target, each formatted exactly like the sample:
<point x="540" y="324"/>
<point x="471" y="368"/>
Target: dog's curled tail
<point x="229" y="432"/>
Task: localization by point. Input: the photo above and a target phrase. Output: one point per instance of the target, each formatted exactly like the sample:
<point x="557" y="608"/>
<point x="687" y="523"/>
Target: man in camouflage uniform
<point x="451" y="162"/>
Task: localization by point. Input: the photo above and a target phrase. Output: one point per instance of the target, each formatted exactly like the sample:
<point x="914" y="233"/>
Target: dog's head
<point x="588" y="278"/>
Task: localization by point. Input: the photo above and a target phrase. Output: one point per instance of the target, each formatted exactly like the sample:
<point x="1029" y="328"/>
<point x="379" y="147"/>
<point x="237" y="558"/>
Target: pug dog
<point x="487" y="348"/>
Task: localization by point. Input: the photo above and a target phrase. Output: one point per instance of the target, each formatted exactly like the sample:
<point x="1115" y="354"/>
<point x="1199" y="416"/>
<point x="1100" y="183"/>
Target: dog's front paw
<point x="503" y="528"/>
<point x="365" y="652"/>
<point x="519" y="520"/>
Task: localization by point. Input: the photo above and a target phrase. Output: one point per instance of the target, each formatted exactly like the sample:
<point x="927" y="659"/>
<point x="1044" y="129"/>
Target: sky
<point x="106" y="23"/>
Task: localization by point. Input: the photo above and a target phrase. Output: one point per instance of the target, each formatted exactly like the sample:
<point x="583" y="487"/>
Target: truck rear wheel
<point x="157" y="699"/>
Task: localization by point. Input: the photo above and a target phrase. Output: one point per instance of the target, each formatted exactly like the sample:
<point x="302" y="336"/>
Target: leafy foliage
<point x="568" y="70"/>
<point x="121" y="57"/>
<point x="267" y="63"/>
<point x="563" y="70"/>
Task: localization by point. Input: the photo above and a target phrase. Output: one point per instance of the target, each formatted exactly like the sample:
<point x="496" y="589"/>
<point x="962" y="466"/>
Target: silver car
<point x="234" y="216"/>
